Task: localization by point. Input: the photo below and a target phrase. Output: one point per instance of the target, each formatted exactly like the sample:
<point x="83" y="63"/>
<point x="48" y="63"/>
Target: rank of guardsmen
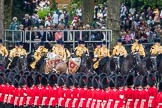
<point x="38" y="90"/>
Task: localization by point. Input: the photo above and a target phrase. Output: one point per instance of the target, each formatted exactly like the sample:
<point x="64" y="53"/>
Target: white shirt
<point x="79" y="12"/>
<point x="55" y="18"/>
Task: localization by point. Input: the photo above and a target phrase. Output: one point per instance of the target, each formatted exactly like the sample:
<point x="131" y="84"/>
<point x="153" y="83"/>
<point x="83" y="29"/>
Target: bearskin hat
<point x="44" y="81"/>
<point x="30" y="81"/>
<point x="53" y="79"/>
<point x="151" y="79"/>
<point x="144" y="81"/>
<point x="138" y="81"/>
<point x="95" y="82"/>
<point x="69" y="81"/>
<point x="37" y="79"/>
<point x="104" y="82"/>
<point x="119" y="81"/>
<point x="89" y="80"/>
<point x="82" y="81"/>
<point x="22" y="82"/>
<point x="160" y="86"/>
<point x="61" y="80"/>
<point x="130" y="80"/>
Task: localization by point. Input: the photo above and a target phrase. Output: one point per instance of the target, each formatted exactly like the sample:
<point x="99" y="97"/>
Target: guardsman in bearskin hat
<point x="138" y="89"/>
<point x="22" y="92"/>
<point x="156" y="49"/>
<point x="105" y="91"/>
<point x="3" y="49"/>
<point x="111" y="93"/>
<point x="138" y="47"/>
<point x="76" y="100"/>
<point x="95" y="93"/>
<point x="53" y="90"/>
<point x="152" y="90"/>
<point x="69" y="91"/>
<point x="61" y="90"/>
<point x="89" y="90"/>
<point x="144" y="93"/>
<point x="129" y="93"/>
<point x="37" y="90"/>
<point x="81" y="49"/>
<point x="159" y="96"/>
<point x="82" y="91"/>
<point x="119" y="51"/>
<point x="29" y="91"/>
<point x="61" y="51"/>
<point x="119" y="93"/>
<point x="10" y="90"/>
<point x="40" y="52"/>
<point x="45" y="94"/>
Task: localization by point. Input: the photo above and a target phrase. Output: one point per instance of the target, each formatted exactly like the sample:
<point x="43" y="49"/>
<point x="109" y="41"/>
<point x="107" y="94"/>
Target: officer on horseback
<point x="3" y="50"/>
<point x="61" y="51"/>
<point x="81" y="49"/>
<point x="137" y="47"/>
<point x="156" y="49"/>
<point x="119" y="51"/>
<point x="101" y="55"/>
<point x="40" y="52"/>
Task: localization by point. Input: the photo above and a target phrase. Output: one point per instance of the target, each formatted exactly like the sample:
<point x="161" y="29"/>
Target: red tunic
<point x="95" y="97"/>
<point x="152" y="91"/>
<point x="83" y="97"/>
<point x="38" y="96"/>
<point x="110" y="97"/>
<point x="159" y="100"/>
<point x="130" y="98"/>
<point x="23" y="95"/>
<point x="69" y="98"/>
<point x="61" y="96"/>
<point x="144" y="99"/>
<point x="17" y="95"/>
<point x="53" y="96"/>
<point x="137" y="96"/>
<point x="11" y="94"/>
<point x="75" y="102"/>
<point x="6" y="93"/>
<point x="103" y="98"/>
<point x="89" y="100"/>
<point x="99" y="98"/>
<point x="30" y="96"/>
<point x="45" y="96"/>
<point x="119" y="99"/>
<point x="2" y="92"/>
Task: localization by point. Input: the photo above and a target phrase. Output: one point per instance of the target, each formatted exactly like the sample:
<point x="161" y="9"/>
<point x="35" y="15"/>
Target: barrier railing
<point x="69" y="37"/>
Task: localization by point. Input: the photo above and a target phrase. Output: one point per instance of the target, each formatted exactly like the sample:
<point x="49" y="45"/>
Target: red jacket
<point x="144" y="98"/>
<point x="138" y="97"/>
<point x="11" y="94"/>
<point x="119" y="99"/>
<point x="69" y="98"/>
<point x="152" y="92"/>
<point x="75" y="102"/>
<point x="38" y="95"/>
<point x="23" y="95"/>
<point x="17" y="95"/>
<point x="83" y="97"/>
<point x="61" y="96"/>
<point x="30" y="96"/>
<point x="2" y="92"/>
<point x="110" y="97"/>
<point x="89" y="100"/>
<point x="130" y="97"/>
<point x="45" y="96"/>
<point x="53" y="96"/>
<point x="159" y="100"/>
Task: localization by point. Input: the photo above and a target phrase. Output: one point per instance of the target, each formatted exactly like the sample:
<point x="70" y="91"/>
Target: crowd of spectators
<point x="144" y="24"/>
